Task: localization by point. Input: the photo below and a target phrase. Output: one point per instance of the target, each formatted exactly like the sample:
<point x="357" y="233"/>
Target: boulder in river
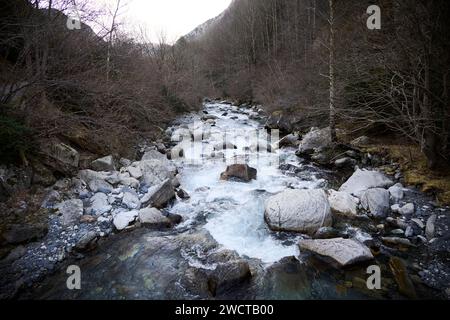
<point x="344" y="252"/>
<point x="104" y="164"/>
<point x="159" y="195"/>
<point x="343" y="203"/>
<point x="152" y="217"/>
<point x="376" y="201"/>
<point x="239" y="172"/>
<point x="363" y="180"/>
<point x="303" y="211"/>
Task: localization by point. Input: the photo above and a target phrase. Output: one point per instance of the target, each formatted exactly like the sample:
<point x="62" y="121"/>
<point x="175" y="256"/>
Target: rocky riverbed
<point x="235" y="213"/>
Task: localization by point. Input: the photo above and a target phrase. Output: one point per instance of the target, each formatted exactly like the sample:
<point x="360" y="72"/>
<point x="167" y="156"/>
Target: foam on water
<point x="234" y="211"/>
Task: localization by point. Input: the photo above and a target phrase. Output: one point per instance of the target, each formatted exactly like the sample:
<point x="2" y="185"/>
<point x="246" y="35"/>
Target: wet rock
<point x="342" y="251"/>
<point x="24" y="233"/>
<point x="239" y="172"/>
<point x="71" y="211"/>
<point x="281" y="121"/>
<point x="407" y="209"/>
<point x="376" y="201"/>
<point x="430" y="227"/>
<point x="316" y="138"/>
<point x="152" y="217"/>
<point x="396" y="192"/>
<point x="182" y="194"/>
<point x="160" y="195"/>
<point x="99" y="204"/>
<point x="343" y="203"/>
<point x="86" y="242"/>
<point x="363" y="180"/>
<point x="400" y="272"/>
<point x="104" y="164"/>
<point x="326" y="233"/>
<point x="227" y="276"/>
<point x="124" y="219"/>
<point x="298" y="211"/>
<point x="175" y="218"/>
<point x="131" y="200"/>
<point x="291" y="140"/>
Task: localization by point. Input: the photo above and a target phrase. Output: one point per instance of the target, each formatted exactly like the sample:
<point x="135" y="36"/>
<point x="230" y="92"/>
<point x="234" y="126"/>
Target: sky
<point x="174" y="18"/>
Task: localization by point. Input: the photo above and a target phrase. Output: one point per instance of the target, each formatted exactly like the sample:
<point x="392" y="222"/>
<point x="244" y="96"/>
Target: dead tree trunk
<point x="332" y="74"/>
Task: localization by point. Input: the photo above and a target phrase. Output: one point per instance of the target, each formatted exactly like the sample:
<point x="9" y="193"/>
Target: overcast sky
<point x="173" y="17"/>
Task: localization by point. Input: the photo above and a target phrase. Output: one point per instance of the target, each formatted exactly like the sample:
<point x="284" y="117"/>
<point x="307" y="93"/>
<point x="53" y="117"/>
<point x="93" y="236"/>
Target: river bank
<point x="213" y="238"/>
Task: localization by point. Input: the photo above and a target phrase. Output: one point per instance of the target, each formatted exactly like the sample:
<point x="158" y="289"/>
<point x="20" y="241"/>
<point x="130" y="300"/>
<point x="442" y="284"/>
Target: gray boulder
<point x="396" y="192"/>
<point x="99" y="204"/>
<point x="303" y="211"/>
<point x="160" y="195"/>
<point x="131" y="200"/>
<point x="315" y="139"/>
<point x="152" y="217"/>
<point x="363" y="180"/>
<point x="407" y="210"/>
<point x="376" y="201"/>
<point x="124" y="219"/>
<point x="343" y="203"/>
<point x="344" y="252"/>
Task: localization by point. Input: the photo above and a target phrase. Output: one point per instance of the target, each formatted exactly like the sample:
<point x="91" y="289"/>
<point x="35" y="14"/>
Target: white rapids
<point x="233" y="212"/>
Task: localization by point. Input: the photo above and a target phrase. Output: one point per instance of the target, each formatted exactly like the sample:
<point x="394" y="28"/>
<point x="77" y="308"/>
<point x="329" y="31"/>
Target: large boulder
<point x="344" y="252"/>
<point x="239" y="172"/>
<point x="152" y="217"/>
<point x="291" y="140"/>
<point x="71" y="211"/>
<point x="62" y="153"/>
<point x="98" y="185"/>
<point x="315" y="139"/>
<point x="343" y="203"/>
<point x="376" y="201"/>
<point x="363" y="180"/>
<point x="104" y="164"/>
<point x="278" y="120"/>
<point x="160" y="195"/>
<point x="303" y="211"/>
<point x="396" y="192"/>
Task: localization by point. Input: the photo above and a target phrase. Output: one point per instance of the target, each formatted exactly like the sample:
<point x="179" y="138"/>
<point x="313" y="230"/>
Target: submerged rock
<point x="343" y="251"/>
<point x="363" y="180"/>
<point x="240" y="172"/>
<point x="298" y="211"/>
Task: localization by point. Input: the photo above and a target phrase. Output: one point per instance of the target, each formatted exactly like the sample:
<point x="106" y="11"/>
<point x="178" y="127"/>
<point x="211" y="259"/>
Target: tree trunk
<point x="332" y="74"/>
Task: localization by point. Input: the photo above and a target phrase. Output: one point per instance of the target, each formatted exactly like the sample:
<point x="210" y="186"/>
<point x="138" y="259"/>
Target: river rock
<point x="152" y="217"/>
<point x="298" y="211"/>
<point x="131" y="200"/>
<point x="291" y="140"/>
<point x="407" y="210"/>
<point x="363" y="180"/>
<point x="99" y="204"/>
<point x="155" y="172"/>
<point x="135" y="171"/>
<point x="160" y="195"/>
<point x="182" y="194"/>
<point x="376" y="201"/>
<point x="228" y="275"/>
<point x="345" y="162"/>
<point x="104" y="164"/>
<point x="396" y="192"/>
<point x="87" y="241"/>
<point x="430" y="227"/>
<point x="343" y="203"/>
<point x="342" y="251"/>
<point x="239" y="172"/>
<point x="98" y="185"/>
<point x="316" y="138"/>
<point x="124" y="219"/>
<point x="71" y="211"/>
